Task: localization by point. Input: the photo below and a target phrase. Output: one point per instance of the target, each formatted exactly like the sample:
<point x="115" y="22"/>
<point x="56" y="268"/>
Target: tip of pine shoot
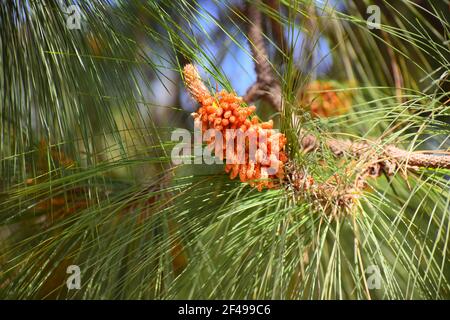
<point x="194" y="84"/>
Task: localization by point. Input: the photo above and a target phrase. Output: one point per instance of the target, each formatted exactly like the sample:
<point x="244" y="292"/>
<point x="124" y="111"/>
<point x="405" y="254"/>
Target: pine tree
<point x="92" y="91"/>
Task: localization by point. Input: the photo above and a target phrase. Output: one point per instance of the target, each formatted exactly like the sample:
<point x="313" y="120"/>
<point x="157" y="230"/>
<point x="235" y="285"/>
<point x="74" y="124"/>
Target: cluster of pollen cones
<point x="261" y="166"/>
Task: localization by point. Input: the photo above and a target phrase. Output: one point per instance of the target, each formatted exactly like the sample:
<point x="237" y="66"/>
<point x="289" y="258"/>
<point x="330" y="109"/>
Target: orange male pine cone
<point x="225" y="111"/>
<point x="324" y="100"/>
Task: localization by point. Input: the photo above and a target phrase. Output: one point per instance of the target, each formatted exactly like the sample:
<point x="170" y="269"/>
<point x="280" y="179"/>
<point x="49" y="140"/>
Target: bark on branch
<point x="266" y="85"/>
<point x="391" y="153"/>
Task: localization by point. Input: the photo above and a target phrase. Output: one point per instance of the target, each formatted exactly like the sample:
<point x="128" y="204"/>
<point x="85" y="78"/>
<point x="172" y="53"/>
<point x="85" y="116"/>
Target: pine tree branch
<point x="390" y="153"/>
<point x="277" y="27"/>
<point x="268" y="88"/>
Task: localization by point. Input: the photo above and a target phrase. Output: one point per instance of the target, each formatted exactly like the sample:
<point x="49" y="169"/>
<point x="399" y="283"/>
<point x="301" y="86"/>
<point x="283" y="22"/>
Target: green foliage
<point x="86" y="176"/>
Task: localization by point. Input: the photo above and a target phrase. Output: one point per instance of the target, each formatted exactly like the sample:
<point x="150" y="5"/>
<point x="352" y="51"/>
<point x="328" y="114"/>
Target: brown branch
<point x="390" y="153"/>
<point x="277" y="27"/>
<point x="381" y="155"/>
<point x="266" y="86"/>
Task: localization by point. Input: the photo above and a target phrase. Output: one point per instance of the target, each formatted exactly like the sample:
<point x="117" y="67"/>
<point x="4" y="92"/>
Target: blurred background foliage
<point x="85" y="171"/>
